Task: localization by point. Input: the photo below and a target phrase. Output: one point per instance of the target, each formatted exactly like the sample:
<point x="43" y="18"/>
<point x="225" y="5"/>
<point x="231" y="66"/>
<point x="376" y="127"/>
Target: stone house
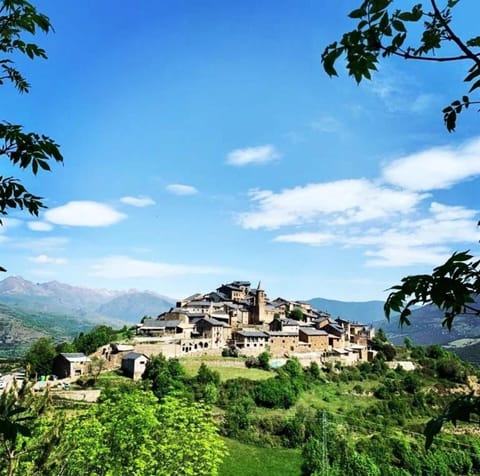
<point x="316" y="339"/>
<point x="251" y="339"/>
<point x="282" y="342"/>
<point x="68" y="365"/>
<point x="284" y="325"/>
<point x="133" y="365"/>
<point x="215" y="332"/>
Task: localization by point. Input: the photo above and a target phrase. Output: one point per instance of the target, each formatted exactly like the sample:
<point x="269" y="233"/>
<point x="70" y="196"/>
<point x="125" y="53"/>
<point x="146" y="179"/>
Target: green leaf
<point x="398" y="25"/>
<point x="358" y="13"/>
<point x="475" y="85"/>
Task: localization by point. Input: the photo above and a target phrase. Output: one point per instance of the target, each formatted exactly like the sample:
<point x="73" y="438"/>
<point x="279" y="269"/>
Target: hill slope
<point x="364" y="312"/>
<point x="31" y="310"/>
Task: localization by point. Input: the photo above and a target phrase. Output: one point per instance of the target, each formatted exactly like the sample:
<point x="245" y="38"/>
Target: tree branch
<point x="428" y="58"/>
<point x="453" y="36"/>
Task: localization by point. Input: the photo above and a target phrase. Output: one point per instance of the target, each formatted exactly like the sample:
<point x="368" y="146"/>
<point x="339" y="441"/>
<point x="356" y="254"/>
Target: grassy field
<point x="226" y="373"/>
<point x="246" y="460"/>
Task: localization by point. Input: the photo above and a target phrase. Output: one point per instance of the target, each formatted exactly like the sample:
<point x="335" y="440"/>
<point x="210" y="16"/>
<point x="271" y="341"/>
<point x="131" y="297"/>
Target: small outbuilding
<point x="133" y="365"/>
<point x="68" y="365"/>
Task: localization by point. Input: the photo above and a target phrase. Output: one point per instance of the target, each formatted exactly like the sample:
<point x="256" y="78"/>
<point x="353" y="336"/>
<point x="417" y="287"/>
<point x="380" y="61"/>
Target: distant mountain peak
<point x="55" y="296"/>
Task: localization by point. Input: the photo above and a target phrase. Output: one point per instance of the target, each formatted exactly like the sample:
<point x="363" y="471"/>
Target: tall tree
<point x="129" y="432"/>
<point x="39" y="357"/>
<point x="20" y="412"/>
<point x="384" y="29"/>
<point x="19" y="19"/>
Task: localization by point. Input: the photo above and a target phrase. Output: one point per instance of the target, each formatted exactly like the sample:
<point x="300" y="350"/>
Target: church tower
<point x="259" y="308"/>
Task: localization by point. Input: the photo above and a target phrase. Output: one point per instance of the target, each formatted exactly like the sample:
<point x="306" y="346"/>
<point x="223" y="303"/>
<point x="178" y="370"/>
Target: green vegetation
<point x="296" y="314"/>
<point x="226" y="373"/>
<point x="20" y="328"/>
<point x="39" y="358"/>
<point x="19" y="20"/>
<point x="374" y="418"/>
<point x="422" y="33"/>
<point x="244" y="460"/>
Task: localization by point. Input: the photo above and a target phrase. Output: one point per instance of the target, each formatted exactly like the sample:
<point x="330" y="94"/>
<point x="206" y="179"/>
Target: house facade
<point x="134" y="364"/>
<point x="70" y="365"/>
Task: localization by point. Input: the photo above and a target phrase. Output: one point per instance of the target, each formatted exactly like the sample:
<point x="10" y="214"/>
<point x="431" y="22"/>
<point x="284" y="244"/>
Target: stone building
<point x="68" y="365"/>
<point x="133" y="365"/>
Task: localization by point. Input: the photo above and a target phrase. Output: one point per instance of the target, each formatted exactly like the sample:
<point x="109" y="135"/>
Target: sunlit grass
<point x="191" y="366"/>
<point x="247" y="460"/>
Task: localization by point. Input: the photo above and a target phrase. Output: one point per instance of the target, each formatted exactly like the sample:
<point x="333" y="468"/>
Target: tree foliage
<point x="19" y="20"/>
<point x="39" y="357"/>
<point x="383" y="30"/>
<point x="19" y="413"/>
<point x="129" y="432"/>
<point x="89" y="342"/>
<point x="452" y="287"/>
<point x="296" y="314"/>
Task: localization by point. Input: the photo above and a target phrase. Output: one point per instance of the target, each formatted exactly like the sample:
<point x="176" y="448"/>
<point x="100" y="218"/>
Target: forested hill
<point x="31" y="310"/>
<point x="365" y="312"/>
<point x="426" y="328"/>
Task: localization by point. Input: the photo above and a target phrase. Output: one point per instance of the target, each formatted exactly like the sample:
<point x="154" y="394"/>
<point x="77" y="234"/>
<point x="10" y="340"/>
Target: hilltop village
<point x="241" y="318"/>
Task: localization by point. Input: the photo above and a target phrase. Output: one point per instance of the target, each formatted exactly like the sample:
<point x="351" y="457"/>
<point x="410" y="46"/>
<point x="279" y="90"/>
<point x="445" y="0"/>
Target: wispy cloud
<point x="327" y="125"/>
<point x="121" y="267"/>
<point x="307" y="238"/>
<point x="84" y="213"/>
<point x="407" y="242"/>
<point x="389" y="217"/>
<point x="343" y="201"/>
<point x="436" y="167"/>
<point x="9" y="223"/>
<point x="181" y="189"/>
<point x="400" y="93"/>
<point x="138" y="201"/>
<point x="252" y="155"/>
<point x="41" y="245"/>
<point x="45" y="259"/>
<point x="39" y="226"/>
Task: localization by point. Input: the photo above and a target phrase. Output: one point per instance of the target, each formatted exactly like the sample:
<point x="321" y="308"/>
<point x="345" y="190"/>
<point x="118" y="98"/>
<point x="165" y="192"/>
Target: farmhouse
<point x="67" y="365"/>
<point x="133" y="365"/>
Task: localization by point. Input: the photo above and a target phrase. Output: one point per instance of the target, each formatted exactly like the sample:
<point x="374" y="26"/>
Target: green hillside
<point x="20" y="328"/>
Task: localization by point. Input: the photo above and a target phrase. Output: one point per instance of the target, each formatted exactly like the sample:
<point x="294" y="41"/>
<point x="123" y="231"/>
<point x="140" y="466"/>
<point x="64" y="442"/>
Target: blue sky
<point x="203" y="143"/>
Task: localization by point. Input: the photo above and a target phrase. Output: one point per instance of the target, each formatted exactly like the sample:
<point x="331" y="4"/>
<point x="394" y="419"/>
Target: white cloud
<point x="252" y="155"/>
<point x="84" y="213"/>
<point x="446" y="212"/>
<point x="307" y="238"/>
<point x="138" y="201"/>
<point x="121" y="267"/>
<point x="9" y="223"/>
<point x="343" y="201"/>
<point x="407" y="256"/>
<point x="180" y="189"/>
<point x="327" y="124"/>
<point x="45" y="259"/>
<point x="39" y="226"/>
<point x="406" y="242"/>
<point x="42" y="245"/>
<point x="423" y="102"/>
<point x="400" y="93"/>
<point x="435" y="168"/>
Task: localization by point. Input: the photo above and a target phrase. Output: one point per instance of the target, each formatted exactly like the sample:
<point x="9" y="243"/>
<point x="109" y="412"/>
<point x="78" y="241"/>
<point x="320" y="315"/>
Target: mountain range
<point x="365" y="312"/>
<point x="53" y="296"/>
<point x="31" y="310"/>
<point x="426" y="328"/>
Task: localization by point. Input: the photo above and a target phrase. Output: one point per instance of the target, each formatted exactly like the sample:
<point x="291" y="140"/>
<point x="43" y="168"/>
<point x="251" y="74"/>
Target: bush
<point x="275" y="393"/>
